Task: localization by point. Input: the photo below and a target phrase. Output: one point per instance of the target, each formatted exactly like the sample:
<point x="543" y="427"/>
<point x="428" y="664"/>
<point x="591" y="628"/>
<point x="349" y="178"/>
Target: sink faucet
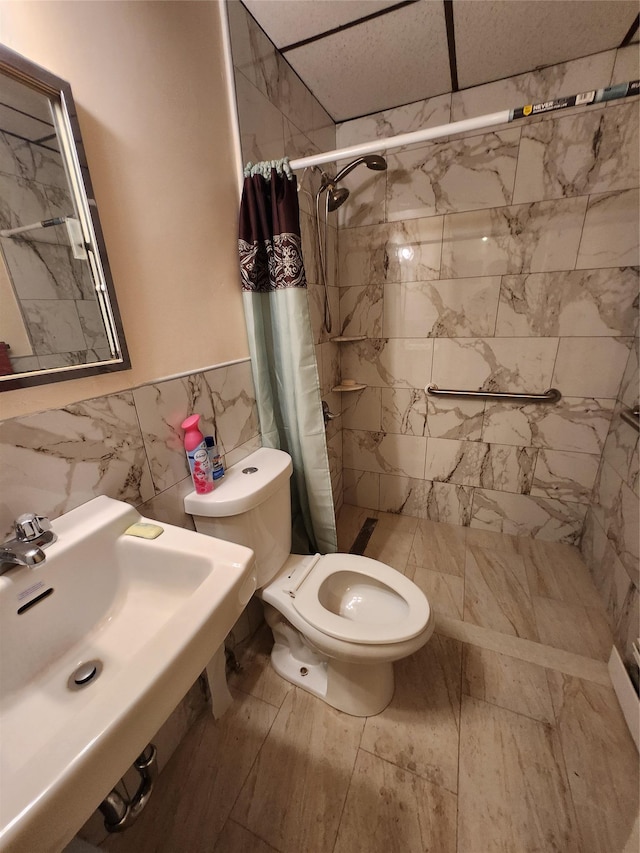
<point x="33" y="534"/>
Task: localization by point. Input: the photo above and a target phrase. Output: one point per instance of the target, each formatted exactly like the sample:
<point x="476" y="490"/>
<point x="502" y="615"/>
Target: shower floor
<point x="503" y="734"/>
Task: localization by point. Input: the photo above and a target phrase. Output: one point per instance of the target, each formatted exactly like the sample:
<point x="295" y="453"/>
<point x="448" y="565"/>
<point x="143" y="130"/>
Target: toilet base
<point x="361" y="690"/>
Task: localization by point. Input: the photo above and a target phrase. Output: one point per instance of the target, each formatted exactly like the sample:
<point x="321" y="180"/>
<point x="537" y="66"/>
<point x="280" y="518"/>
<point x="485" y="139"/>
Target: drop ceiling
<point x="363" y="56"/>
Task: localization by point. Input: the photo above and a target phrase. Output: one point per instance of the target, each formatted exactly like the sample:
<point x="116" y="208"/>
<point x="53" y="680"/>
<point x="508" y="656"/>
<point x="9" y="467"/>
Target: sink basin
<point x="152" y="611"/>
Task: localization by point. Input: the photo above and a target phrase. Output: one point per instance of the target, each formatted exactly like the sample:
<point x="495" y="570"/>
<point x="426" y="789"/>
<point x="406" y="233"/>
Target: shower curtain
<point x="283" y="360"/>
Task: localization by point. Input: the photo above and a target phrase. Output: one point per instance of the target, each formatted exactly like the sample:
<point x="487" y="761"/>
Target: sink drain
<point x="84" y="674"/>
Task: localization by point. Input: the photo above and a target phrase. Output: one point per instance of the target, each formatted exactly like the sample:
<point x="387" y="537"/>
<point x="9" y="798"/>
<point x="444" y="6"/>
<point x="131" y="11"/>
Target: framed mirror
<point x="59" y="315"/>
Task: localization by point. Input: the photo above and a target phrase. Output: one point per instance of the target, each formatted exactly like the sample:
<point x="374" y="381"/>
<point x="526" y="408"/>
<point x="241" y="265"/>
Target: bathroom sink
<point x="151" y="612"/>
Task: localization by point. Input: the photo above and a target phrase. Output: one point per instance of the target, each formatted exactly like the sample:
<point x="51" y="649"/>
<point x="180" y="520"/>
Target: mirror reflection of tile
<point x="59" y="309"/>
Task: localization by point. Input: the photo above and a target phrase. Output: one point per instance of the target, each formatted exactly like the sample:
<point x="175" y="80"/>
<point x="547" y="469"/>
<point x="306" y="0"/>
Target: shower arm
<point x="326" y="181"/>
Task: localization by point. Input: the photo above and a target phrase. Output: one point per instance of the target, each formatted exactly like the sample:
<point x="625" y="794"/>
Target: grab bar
<point x="632" y="417"/>
<point x="552" y="395"/>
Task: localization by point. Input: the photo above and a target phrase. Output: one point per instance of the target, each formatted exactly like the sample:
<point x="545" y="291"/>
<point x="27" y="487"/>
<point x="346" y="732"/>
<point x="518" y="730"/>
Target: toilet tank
<point x="251" y="506"/>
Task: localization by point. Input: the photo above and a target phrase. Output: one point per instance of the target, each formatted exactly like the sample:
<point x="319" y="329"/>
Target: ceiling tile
<point x="392" y="60"/>
<point x="289" y="21"/>
<point x="501" y="38"/>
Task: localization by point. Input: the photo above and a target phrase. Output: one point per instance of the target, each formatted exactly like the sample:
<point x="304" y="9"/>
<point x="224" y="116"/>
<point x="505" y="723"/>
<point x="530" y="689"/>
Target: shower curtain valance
<point x="264" y="168"/>
<point x="269" y="239"/>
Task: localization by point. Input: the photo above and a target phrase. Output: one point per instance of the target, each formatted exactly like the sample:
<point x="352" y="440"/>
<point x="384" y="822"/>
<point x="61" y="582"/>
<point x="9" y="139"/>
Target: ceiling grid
<point x="364" y="56"/>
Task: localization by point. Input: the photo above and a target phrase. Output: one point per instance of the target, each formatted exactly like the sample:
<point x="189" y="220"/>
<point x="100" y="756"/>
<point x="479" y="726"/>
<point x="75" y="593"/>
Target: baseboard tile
<point x="626" y="695"/>
<point x="527" y="650"/>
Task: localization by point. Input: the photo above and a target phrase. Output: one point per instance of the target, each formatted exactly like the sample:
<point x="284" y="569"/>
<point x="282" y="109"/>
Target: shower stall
<point x="503" y="258"/>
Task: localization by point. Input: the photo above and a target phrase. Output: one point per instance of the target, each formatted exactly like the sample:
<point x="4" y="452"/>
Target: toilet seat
<point x="375" y="604"/>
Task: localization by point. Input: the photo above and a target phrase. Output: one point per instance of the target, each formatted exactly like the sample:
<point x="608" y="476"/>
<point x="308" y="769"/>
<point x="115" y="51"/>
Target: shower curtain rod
<point x="611" y="93"/>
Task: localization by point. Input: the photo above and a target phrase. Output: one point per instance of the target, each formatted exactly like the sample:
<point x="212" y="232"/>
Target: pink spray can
<point x="197" y="456"/>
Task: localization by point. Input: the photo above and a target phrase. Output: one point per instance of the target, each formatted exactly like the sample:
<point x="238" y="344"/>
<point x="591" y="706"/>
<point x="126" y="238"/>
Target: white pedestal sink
<point x="153" y="612"/>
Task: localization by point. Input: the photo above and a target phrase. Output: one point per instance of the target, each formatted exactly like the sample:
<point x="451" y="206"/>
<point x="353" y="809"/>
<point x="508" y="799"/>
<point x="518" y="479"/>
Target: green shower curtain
<point x="281" y="346"/>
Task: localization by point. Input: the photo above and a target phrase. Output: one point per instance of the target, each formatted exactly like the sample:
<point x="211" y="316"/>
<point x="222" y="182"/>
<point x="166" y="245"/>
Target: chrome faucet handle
<point x="30" y="526"/>
<point x="326" y="414"/>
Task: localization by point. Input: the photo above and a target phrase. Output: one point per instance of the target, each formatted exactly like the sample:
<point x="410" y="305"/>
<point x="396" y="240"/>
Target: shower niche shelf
<point x="343" y="339"/>
<point x="354" y="387"/>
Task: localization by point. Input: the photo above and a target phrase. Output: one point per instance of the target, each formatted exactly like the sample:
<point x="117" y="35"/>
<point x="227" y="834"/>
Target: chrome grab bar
<point x="552" y="395"/>
<point x="632" y="417"/>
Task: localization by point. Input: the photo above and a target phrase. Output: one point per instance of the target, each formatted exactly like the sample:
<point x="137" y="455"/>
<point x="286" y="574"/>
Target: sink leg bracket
<point x="119" y="812"/>
<point x="221" y="698"/>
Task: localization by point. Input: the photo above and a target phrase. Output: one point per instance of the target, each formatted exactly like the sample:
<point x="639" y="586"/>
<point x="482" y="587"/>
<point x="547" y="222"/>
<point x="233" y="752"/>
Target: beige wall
<point x="149" y="83"/>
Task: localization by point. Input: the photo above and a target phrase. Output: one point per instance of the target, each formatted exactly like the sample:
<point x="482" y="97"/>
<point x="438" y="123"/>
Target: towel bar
<point x="552" y="395"/>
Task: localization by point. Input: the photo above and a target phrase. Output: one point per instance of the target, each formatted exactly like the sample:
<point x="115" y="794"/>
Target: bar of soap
<point x="144" y="530"/>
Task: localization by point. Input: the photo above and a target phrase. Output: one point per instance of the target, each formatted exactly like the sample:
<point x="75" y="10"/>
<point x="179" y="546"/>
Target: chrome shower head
<point x="376" y="162"/>
<point x="336" y="197"/>
<point x="372" y="161"/>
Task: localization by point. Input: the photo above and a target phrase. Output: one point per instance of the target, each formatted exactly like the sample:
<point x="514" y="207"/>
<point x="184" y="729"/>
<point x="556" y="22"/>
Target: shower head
<point x="336" y="197"/>
<point x="372" y="161"/>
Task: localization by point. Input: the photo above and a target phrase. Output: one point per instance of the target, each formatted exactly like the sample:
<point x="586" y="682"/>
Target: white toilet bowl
<point x="340" y="620"/>
<point x="353" y="617"/>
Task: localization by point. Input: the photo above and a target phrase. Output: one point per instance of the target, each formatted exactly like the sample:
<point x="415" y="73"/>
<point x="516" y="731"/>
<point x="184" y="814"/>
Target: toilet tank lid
<point x="242" y="489"/>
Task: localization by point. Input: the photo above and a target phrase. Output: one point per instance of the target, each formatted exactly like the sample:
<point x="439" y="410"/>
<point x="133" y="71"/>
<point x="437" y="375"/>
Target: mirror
<point x="59" y="316"/>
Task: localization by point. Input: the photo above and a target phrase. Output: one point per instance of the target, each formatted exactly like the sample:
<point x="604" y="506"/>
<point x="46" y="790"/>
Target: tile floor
<point x="503" y="734"/>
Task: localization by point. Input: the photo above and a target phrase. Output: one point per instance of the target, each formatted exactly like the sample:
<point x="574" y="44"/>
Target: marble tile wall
<point x="279" y="116"/>
<point x="127" y="446"/>
<point x="611" y="540"/>
<point x="502" y="260"/>
<point x="55" y="291"/>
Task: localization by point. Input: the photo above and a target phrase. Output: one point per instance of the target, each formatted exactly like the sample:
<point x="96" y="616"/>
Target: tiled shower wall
<point x="499" y="260"/>
<point x="503" y="260"/>
<point x="279" y="116"/>
<point x="55" y="292"/>
<point x="611" y="540"/>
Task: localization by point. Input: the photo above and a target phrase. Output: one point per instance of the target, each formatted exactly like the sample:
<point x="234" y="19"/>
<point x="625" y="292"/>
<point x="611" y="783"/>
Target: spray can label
<point x="200" y="467"/>
<point x="217" y="467"/>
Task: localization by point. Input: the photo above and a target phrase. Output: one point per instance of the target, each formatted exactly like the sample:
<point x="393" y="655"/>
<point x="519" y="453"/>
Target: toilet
<point x="339" y="620"/>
